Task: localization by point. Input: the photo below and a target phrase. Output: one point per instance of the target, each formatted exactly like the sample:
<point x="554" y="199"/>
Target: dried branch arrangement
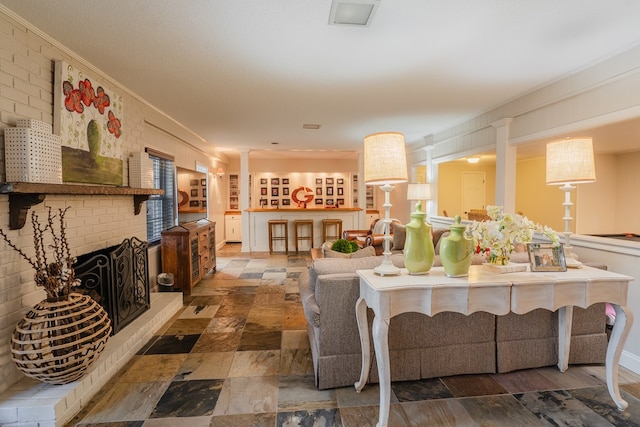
<point x="55" y="275"/>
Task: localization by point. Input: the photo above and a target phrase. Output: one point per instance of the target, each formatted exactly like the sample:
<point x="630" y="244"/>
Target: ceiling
<point x="245" y="74"/>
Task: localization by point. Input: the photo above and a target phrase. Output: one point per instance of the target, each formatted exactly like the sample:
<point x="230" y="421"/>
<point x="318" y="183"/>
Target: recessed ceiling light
<point x="352" y="12"/>
<point x="310" y="126"/>
<point x="473" y="159"/>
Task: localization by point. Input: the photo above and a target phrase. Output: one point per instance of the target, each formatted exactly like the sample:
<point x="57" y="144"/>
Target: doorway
<point x="473" y="190"/>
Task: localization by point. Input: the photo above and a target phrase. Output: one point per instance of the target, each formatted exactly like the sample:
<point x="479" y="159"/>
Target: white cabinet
<point x="233" y="228"/>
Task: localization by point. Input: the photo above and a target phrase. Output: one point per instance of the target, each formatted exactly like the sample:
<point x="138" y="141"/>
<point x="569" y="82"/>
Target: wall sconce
<point x="220" y="173"/>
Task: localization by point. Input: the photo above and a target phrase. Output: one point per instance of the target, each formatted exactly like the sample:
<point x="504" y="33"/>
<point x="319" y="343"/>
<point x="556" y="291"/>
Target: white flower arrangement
<point x="498" y="237"/>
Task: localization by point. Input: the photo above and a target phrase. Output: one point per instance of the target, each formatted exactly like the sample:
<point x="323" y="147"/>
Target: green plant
<point x="344" y="246"/>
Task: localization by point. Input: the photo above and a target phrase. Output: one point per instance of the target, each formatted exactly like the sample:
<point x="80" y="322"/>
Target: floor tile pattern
<point x="238" y="355"/>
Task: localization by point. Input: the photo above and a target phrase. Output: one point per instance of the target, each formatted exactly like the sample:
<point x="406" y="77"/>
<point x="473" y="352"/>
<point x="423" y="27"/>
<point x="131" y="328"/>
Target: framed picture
<point x="193" y="182"/>
<point x="204" y="203"/>
<point x="204" y="192"/>
<point x="318" y="191"/>
<point x="194" y="192"/>
<point x="263" y="181"/>
<point x="341" y="202"/>
<point x="285" y="181"/>
<point x="285" y="191"/>
<point x="318" y="201"/>
<point x="263" y="191"/>
<point x="194" y="203"/>
<point x="286" y="202"/>
<point x="340" y="191"/>
<point x="329" y="181"/>
<point x="329" y="191"/>
<point x="318" y="181"/>
<point x="263" y="202"/>
<point x="274" y="202"/>
<point x="546" y="257"/>
<point x="329" y="202"/>
<point x="203" y="182"/>
<point x="340" y="181"/>
<point x="275" y="192"/>
<point x="275" y="181"/>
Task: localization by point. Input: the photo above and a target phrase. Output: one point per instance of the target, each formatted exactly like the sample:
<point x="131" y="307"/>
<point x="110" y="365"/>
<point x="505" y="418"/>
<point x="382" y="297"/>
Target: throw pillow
<point x="360" y="253"/>
<point x="399" y="236"/>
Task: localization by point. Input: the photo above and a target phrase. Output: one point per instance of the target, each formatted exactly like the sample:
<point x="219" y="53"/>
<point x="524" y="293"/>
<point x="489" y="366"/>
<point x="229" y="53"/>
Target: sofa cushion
<point x="322" y="266"/>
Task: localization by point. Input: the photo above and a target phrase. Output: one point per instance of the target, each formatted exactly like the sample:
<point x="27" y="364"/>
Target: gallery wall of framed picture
<point x="288" y="191"/>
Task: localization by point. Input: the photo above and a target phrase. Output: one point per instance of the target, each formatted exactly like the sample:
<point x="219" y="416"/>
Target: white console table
<point x="494" y="293"/>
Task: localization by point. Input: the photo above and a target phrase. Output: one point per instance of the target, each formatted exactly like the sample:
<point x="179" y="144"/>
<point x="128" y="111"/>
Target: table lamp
<point x="419" y="192"/>
<point x="385" y="164"/>
<point x="570" y="161"/>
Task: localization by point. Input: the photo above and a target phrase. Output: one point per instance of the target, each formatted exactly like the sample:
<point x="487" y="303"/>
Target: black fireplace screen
<point x="118" y="278"/>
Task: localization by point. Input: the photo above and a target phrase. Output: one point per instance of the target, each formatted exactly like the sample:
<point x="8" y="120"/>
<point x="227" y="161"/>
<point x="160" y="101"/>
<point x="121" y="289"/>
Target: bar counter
<point x="259" y="228"/>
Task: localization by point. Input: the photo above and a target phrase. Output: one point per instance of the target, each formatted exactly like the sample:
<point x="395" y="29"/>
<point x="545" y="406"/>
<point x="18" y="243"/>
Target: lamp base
<point x="571" y="262"/>
<point x="387" y="269"/>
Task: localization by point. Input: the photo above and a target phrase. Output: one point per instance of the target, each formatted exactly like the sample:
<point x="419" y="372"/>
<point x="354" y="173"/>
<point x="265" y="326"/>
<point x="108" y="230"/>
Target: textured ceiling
<point x="243" y="74"/>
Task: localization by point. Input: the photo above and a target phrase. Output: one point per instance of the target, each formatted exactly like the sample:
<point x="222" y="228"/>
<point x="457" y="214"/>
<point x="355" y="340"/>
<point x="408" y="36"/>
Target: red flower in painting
<point x="101" y="100"/>
<point x="86" y="90"/>
<point x="114" y="125"/>
<point x="73" y="99"/>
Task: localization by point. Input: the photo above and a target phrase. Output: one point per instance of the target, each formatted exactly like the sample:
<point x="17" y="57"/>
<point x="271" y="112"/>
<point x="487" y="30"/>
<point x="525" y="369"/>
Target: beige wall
<point x="450" y="185"/>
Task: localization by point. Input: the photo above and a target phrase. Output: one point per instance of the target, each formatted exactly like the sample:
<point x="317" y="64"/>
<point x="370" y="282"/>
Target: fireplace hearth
<point x="117" y="277"/>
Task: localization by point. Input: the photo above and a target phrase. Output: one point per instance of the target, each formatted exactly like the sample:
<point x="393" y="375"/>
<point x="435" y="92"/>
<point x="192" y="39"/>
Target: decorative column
<point x="505" y="166"/>
<point x="245" y="190"/>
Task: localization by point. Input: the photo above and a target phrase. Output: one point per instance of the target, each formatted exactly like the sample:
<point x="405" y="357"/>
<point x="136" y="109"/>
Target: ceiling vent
<point x="310" y="126"/>
<point x="353" y="12"/>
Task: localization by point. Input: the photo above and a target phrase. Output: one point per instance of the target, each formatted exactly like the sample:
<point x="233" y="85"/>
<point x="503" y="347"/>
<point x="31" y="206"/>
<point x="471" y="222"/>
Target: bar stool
<point x="298" y="227"/>
<point x="273" y="233"/>
<point x="331" y="229"/>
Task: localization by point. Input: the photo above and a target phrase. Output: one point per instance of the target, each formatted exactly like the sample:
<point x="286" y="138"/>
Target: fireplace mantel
<point x="23" y="195"/>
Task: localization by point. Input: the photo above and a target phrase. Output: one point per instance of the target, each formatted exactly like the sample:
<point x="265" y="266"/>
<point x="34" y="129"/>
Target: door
<point x="473" y="191"/>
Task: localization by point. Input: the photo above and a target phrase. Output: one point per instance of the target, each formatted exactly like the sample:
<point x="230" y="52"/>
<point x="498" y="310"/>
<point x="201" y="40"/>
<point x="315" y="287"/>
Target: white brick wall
<point x="93" y="222"/>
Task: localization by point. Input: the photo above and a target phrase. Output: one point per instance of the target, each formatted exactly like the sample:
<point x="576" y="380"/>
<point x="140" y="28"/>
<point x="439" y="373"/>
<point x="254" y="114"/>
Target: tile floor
<point x="238" y="355"/>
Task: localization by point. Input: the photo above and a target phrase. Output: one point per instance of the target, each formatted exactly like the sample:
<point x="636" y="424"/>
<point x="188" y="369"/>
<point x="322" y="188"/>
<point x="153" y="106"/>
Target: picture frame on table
<point x="546" y="257"/>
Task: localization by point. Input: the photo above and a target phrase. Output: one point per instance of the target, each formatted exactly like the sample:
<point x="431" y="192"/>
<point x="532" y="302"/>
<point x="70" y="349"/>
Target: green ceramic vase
<point x="418" y="246"/>
<point x="456" y="251"/>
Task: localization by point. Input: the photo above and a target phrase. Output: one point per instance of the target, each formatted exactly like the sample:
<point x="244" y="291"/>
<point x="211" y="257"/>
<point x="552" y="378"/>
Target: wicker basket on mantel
<point x="58" y="340"/>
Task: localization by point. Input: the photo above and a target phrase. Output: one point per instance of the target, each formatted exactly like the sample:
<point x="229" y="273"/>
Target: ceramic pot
<point x="456" y="250"/>
<point x="418" y="247"/>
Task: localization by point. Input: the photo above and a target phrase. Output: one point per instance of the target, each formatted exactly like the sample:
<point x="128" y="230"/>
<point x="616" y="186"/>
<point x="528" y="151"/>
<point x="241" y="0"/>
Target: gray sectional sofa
<point x="427" y="347"/>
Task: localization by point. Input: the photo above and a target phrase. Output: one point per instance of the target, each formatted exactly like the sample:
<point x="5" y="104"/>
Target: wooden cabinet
<point x="233" y="227"/>
<point x="189" y="252"/>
